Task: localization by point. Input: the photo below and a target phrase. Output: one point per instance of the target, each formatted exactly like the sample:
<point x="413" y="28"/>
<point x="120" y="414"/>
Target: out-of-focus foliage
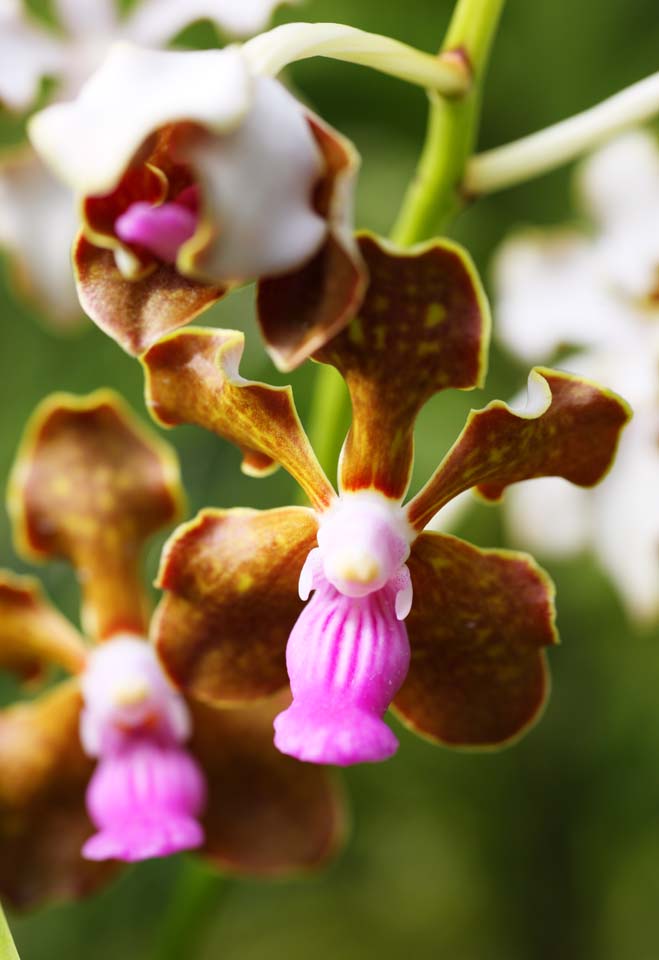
<point x="550" y="849"/>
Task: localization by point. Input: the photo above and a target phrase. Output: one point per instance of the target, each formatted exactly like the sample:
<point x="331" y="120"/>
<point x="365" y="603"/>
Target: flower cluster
<point x="89" y="486"/>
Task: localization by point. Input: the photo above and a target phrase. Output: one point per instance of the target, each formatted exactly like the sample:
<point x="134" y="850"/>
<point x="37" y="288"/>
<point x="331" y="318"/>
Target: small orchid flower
<point x="38" y="221"/>
<point x="597" y="293"/>
<point x="89" y="486"/>
<point x="197" y="174"/>
<point x="450" y="634"/>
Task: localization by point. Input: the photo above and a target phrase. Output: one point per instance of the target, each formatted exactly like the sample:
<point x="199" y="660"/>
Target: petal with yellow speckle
<point x="570" y="428"/>
<point x="231" y="600"/>
<point x="91" y="484"/>
<point x="423" y="327"/>
<point x="477" y="630"/>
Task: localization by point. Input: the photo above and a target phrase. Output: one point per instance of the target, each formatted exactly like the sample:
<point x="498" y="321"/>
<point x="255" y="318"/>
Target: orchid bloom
<point x="197" y="174"/>
<point x="451" y="634"/>
<point x="90" y="486"/>
<point x="599" y="293"/>
<point x="38" y="221"/>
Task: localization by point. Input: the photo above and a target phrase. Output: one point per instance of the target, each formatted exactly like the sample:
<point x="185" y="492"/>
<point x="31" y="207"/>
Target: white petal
<point x="549" y="516"/>
<point x="85" y="18"/>
<point x="621" y="178"/>
<point x="27" y="53"/>
<point x="90" y="141"/>
<point x="154" y="22"/>
<point x="627" y="517"/>
<point x="37" y="226"/>
<point x="549" y="293"/>
<point x="257" y="183"/>
<point x="452" y="513"/>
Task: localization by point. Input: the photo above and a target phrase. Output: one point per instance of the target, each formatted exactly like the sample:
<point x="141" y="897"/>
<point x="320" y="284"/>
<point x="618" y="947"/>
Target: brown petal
<point x="43" y="821"/>
<point x="91" y="484"/>
<point x="267" y="814"/>
<point x="423" y="327"/>
<point x="479" y="621"/>
<point x="33" y="634"/>
<point x="192" y="377"/>
<point x="571" y="431"/>
<point x="300" y="311"/>
<point x="231" y="579"/>
<point x="136" y="312"/>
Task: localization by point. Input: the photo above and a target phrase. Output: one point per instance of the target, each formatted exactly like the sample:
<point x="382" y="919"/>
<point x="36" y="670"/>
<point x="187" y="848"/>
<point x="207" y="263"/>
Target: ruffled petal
<point x="33" y="634"/>
<point x="43" y="821"/>
<point x="91" y="484"/>
<point x="423" y="327"/>
<point x="267" y="814"/>
<point x="478" y="625"/>
<point x="231" y="600"/>
<point x="154" y="22"/>
<point x="28" y="53"/>
<point x="192" y="377"/>
<point x="37" y="226"/>
<point x="136" y="313"/>
<point x="570" y="428"/>
<point x="301" y="310"/>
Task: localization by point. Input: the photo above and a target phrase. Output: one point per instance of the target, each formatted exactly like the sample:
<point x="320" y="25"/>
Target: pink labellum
<point x="347" y="658"/>
<point x="161" y="230"/>
<point x="144" y="799"/>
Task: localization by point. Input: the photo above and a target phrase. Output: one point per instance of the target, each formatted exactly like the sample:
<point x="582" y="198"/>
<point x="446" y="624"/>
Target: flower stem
<point x="434" y="196"/>
<point x="562" y="142"/>
<point x="8" y="949"/>
<point x="197" y="895"/>
<point x="272" y="51"/>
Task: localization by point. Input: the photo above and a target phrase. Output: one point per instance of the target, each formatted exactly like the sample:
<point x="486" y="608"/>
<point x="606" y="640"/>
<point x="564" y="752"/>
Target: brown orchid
<point x="476" y="621"/>
<point x="90" y="485"/>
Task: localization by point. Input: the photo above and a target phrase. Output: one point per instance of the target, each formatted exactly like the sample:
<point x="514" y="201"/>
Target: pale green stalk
<point x="8" y="949"/>
<point x="197" y="899"/>
<point x="433" y="197"/>
<point x="549" y="148"/>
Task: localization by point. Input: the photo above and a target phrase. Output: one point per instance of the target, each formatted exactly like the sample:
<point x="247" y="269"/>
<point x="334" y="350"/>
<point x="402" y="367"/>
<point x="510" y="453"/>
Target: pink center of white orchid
<point x="348" y="653"/>
<point x="161" y="229"/>
<point x="147" y="791"/>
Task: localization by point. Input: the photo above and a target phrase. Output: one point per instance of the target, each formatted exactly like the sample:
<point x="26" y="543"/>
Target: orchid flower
<point x="597" y="292"/>
<point x="451" y="634"/>
<point x="38" y="221"/>
<point x="197" y="174"/>
<point x="90" y="485"/>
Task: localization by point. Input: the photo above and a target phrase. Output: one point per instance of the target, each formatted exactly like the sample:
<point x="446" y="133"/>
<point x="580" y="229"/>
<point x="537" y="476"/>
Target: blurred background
<point x="549" y="849"/>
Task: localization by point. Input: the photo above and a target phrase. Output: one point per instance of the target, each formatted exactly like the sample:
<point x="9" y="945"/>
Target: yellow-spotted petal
<point x="231" y="582"/>
<point x="423" y="327"/>
<point x="91" y="484"/>
<point x="192" y="377"/>
<point x="570" y="428"/>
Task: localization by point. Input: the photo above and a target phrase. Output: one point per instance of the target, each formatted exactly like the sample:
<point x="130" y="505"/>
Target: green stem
<point x="197" y="896"/>
<point x="432" y="199"/>
<point x="8" y="949"/>
<point x="434" y="196"/>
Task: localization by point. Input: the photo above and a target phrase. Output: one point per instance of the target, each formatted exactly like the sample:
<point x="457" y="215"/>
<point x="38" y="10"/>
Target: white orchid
<point x="598" y="293"/>
<point x="37" y="217"/>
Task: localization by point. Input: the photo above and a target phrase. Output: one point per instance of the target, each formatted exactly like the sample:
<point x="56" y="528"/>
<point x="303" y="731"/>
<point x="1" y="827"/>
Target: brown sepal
<point x="231" y="580"/>
<point x="33" y="634"/>
<point x="301" y="310"/>
<point x="192" y="377"/>
<point x="478" y="625"/>
<point x="136" y="313"/>
<point x="267" y="814"/>
<point x="423" y="327"/>
<point x="573" y="433"/>
<point x="91" y="484"/>
<point x="43" y="820"/>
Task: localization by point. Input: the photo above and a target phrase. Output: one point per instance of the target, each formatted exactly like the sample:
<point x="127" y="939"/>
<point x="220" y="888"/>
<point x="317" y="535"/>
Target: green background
<point x="547" y="850"/>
